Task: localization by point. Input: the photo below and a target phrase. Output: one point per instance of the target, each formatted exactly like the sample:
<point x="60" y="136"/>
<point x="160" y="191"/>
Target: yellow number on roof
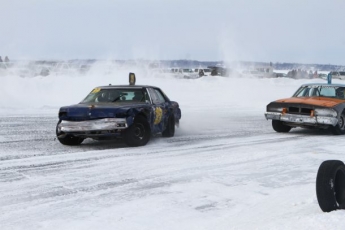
<point x="96" y="90"/>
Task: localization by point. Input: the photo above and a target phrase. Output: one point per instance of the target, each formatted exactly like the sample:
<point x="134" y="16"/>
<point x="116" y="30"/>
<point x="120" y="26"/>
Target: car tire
<point x="330" y="185"/>
<point x="68" y="139"/>
<point x="170" y="129"/>
<point x="339" y="129"/>
<point x="139" y="133"/>
<point x="279" y="127"/>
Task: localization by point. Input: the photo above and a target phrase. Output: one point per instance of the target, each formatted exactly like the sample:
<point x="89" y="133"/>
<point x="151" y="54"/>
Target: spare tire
<point x="330" y="185"/>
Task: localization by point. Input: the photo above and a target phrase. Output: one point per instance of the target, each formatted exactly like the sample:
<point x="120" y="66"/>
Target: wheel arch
<point x="134" y="113"/>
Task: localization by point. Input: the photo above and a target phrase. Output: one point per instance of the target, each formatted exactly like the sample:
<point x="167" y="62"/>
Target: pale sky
<point x="308" y="31"/>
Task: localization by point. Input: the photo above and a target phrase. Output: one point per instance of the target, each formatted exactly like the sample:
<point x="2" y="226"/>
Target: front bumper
<point x="105" y="124"/>
<point x="302" y="119"/>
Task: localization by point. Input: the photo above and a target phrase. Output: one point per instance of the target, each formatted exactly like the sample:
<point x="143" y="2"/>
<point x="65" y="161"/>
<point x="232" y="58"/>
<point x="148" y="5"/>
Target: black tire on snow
<point x="170" y="129"/>
<point x="68" y="139"/>
<point x="339" y="129"/>
<point x="330" y="185"/>
<point x="139" y="133"/>
<point x="279" y="127"/>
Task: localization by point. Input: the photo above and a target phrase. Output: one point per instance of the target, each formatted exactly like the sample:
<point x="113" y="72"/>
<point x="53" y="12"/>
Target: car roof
<point x="323" y="84"/>
<point x="126" y="86"/>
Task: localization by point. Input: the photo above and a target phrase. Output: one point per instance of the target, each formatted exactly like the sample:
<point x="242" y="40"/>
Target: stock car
<point x="132" y="112"/>
<point x="314" y="105"/>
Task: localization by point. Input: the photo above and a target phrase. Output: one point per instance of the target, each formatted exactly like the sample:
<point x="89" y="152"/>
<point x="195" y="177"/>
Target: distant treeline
<point x="195" y="64"/>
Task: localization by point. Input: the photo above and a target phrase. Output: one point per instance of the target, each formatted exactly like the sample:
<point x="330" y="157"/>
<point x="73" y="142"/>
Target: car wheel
<point x="170" y="129"/>
<point x="330" y="185"/>
<point x="279" y="127"/>
<point x="66" y="139"/>
<point x="139" y="133"/>
<point x="339" y="129"/>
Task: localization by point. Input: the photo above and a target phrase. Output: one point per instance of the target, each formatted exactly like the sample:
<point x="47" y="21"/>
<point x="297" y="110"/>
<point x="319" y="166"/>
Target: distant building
<point x="6" y="59"/>
<point x="0" y="59"/>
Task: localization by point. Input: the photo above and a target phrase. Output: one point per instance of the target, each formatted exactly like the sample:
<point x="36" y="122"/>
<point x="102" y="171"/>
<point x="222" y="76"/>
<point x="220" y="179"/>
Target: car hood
<point x="95" y="111"/>
<point x="318" y="101"/>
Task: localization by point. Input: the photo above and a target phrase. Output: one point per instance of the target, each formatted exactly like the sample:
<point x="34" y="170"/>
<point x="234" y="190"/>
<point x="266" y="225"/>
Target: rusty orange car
<point x="314" y="105"/>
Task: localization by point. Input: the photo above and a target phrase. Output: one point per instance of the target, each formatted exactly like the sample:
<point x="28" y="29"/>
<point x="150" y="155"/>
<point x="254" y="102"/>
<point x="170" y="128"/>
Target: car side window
<point x="160" y="96"/>
<point x="153" y="96"/>
<point x="327" y="92"/>
<point x="156" y="98"/>
<point x="146" y="96"/>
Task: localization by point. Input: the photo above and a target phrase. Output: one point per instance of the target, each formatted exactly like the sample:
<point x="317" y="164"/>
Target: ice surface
<point x="224" y="169"/>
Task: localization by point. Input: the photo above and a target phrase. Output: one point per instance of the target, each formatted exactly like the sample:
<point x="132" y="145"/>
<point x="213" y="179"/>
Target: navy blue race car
<point x="133" y="113"/>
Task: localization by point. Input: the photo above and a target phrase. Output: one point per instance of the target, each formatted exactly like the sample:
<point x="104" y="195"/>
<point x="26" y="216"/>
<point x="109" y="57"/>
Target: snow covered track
<point x="236" y="179"/>
<point x="225" y="168"/>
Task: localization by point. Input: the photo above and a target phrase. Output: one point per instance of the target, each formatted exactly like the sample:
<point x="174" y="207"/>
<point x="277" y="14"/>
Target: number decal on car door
<point x="158" y="115"/>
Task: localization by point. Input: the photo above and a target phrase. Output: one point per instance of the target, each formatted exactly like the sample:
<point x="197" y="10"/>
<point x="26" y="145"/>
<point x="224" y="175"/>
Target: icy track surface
<point x="224" y="169"/>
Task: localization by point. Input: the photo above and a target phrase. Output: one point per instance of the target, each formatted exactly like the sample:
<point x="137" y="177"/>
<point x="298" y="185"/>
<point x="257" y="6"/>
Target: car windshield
<point x="321" y="91"/>
<point x="116" y="95"/>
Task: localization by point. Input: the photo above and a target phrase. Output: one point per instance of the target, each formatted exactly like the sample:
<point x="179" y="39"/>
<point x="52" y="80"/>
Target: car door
<point x="160" y="109"/>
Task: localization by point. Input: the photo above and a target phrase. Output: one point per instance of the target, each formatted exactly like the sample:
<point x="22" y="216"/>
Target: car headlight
<point x="325" y="112"/>
<point x="278" y="110"/>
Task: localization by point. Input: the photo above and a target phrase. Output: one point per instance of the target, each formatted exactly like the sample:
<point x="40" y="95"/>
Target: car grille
<point x="299" y="110"/>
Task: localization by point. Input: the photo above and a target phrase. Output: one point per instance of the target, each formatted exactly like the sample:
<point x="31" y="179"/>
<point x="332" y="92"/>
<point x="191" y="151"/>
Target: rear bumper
<point x="302" y="119"/>
<point x="105" y="124"/>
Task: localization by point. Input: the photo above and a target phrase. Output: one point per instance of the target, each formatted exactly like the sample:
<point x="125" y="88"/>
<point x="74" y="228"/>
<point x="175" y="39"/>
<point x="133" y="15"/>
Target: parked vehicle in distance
<point x="281" y="74"/>
<point x="338" y="74"/>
